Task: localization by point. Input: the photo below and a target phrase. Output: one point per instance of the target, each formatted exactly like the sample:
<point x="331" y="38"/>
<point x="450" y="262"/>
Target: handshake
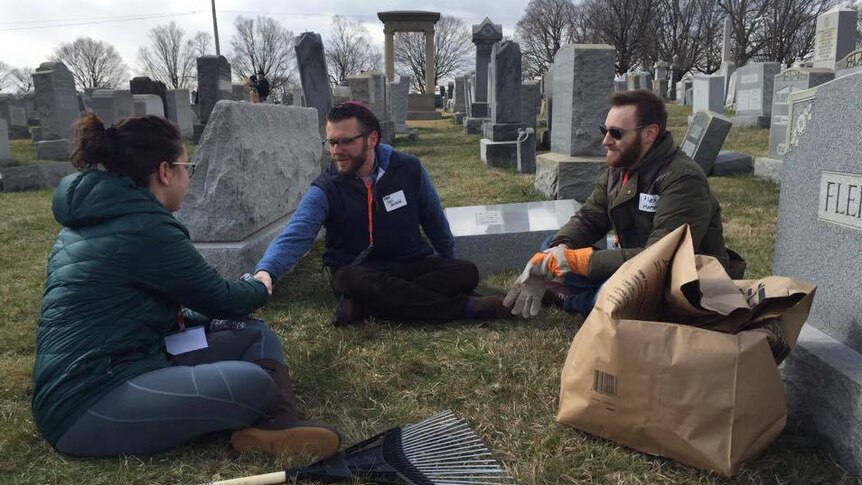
<point x="525" y="296"/>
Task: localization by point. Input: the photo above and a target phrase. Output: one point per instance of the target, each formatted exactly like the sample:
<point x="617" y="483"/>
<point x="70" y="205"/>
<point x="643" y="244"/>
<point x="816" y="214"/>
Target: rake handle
<point x="265" y="479"/>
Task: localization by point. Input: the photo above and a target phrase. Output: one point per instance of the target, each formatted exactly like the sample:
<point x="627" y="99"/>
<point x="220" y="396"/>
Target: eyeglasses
<point x="617" y="133"/>
<point x="334" y="142"/>
<point x="190" y="167"/>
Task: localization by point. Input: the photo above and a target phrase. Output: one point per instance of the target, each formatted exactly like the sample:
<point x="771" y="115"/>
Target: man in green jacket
<point x="649" y="189"/>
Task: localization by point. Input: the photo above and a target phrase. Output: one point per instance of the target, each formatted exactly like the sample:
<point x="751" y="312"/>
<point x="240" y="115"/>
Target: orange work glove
<point x="560" y="260"/>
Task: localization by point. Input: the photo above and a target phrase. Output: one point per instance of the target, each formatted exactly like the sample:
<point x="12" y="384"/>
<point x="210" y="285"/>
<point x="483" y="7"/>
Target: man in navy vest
<point x="375" y="203"/>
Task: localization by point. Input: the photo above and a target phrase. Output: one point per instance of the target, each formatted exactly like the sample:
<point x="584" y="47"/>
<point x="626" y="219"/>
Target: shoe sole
<point x="292" y="441"/>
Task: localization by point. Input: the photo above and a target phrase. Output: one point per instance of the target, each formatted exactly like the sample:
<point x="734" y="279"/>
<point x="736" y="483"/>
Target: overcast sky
<point x="31" y="30"/>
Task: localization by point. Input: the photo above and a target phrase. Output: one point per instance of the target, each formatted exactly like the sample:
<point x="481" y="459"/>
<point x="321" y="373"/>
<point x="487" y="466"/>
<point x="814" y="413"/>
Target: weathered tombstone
<point x="13" y="112"/>
<point x="148" y="104"/>
<point x="644" y="80"/>
<point x="787" y="82"/>
<point x="5" y="150"/>
<point x="681" y="87"/>
<point x="485" y="35"/>
<point x="36" y="176"/>
<point x="817" y="240"/>
<point x="213" y="84"/>
<point x="239" y="92"/>
<point x="399" y="92"/>
<point x="729" y="163"/>
<point x="180" y="111"/>
<point x="460" y="105"/>
<point x="754" y="82"/>
<point x="370" y="88"/>
<point x="314" y="77"/>
<point x="704" y="137"/>
<point x="708" y="93"/>
<point x="112" y="105"/>
<point x="659" y="84"/>
<point x="340" y="94"/>
<point x="620" y="85"/>
<point x="583" y="79"/>
<point x="501" y="237"/>
<point x="248" y="149"/>
<point x="145" y="85"/>
<point x="548" y="83"/>
<point x="631" y="81"/>
<point x="529" y="104"/>
<point x="57" y="105"/>
<point x="297" y="98"/>
<point x="835" y="36"/>
<point x="851" y="63"/>
<point x="505" y="132"/>
<point x="688" y="98"/>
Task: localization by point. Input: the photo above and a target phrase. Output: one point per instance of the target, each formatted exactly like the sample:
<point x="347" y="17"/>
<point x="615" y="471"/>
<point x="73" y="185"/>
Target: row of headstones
<point x="493" y="102"/>
<point x="57" y="106"/>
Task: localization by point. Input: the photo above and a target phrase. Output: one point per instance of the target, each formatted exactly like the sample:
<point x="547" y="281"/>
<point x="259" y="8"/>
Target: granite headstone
<point x="247" y="150"/>
<point x="817" y="240"/>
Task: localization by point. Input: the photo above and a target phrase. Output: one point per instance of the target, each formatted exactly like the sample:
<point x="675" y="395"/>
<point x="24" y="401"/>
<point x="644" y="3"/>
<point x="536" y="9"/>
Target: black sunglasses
<point x="617" y="133"/>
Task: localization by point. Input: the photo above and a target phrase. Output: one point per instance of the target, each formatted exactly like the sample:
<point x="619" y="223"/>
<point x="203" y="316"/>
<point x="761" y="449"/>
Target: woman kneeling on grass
<point x="118" y="274"/>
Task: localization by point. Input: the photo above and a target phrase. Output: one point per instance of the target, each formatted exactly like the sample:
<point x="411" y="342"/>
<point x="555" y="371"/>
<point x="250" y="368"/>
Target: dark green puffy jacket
<point x="116" y="277"/>
<point x="664" y="190"/>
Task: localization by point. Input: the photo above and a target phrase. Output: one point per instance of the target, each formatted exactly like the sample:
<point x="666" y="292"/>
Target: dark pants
<point x="207" y="390"/>
<point x="432" y="289"/>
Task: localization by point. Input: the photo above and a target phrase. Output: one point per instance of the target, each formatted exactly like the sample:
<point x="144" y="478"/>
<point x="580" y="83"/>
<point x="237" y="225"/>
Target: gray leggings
<point x="203" y="391"/>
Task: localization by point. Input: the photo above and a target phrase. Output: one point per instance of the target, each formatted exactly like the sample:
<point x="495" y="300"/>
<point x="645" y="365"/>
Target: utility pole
<point x="215" y="30"/>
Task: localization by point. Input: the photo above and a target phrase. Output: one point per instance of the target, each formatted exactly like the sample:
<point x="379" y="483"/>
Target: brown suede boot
<point x="489" y="307"/>
<point x="282" y="432"/>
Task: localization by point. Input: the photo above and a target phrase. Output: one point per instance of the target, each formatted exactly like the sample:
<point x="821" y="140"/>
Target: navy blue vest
<point x="397" y="233"/>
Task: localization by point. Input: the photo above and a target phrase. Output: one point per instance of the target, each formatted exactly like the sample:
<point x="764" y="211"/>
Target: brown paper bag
<point x="657" y="365"/>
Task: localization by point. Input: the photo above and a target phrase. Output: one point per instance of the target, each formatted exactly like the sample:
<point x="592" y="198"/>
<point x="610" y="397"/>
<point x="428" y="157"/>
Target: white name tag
<point x="186" y="341"/>
<point x="648" y="202"/>
<point x="394" y="200"/>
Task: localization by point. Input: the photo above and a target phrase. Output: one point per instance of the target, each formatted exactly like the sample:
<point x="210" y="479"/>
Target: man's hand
<point x="265" y="278"/>
<point x="525" y="296"/>
<point x="560" y="260"/>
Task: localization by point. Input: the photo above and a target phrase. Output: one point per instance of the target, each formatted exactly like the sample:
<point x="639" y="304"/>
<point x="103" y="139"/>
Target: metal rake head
<point x="441" y="449"/>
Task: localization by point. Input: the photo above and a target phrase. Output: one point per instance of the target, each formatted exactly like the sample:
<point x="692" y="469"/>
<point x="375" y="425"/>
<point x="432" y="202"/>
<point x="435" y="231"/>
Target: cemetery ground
<point x="502" y="376"/>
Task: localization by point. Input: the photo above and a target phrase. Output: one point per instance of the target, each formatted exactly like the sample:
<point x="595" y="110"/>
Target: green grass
<point x="503" y="376"/>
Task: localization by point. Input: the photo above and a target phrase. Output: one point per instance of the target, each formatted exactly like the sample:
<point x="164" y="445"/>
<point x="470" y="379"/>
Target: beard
<point x="625" y="157"/>
<point x="350" y="164"/>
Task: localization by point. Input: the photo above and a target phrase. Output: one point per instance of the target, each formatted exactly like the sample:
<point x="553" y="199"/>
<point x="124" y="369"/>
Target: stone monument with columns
<point x="420" y="106"/>
<point x="485" y="35"/>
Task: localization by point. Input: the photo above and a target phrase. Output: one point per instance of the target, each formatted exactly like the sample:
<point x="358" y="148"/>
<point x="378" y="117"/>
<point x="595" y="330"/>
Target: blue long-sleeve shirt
<point x="298" y="236"/>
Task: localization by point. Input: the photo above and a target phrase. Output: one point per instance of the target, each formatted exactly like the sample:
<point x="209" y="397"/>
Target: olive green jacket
<point x="665" y="190"/>
<point x="118" y="273"/>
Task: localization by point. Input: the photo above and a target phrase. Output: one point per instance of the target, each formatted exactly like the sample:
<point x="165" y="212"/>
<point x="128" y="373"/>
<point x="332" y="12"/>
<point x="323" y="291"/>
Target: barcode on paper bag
<point x="605" y="383"/>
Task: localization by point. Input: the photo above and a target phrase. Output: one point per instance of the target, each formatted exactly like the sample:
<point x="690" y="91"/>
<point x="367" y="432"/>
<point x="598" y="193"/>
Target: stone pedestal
<point x="59" y="150"/>
<point x="421" y="107"/>
<point x="38" y="176"/>
<point x="560" y="176"/>
<point x="768" y="168"/>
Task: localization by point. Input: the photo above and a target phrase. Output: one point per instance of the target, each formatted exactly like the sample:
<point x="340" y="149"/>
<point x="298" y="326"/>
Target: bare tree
<point x="263" y="44"/>
<point x="453" y="49"/>
<point x="687" y="31"/>
<point x="789" y="27"/>
<point x="171" y="58"/>
<point x="201" y="44"/>
<point x="93" y="63"/>
<point x="22" y="80"/>
<point x="349" y="50"/>
<point x="546" y="26"/>
<point x="624" y="24"/>
<point x="5" y="75"/>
